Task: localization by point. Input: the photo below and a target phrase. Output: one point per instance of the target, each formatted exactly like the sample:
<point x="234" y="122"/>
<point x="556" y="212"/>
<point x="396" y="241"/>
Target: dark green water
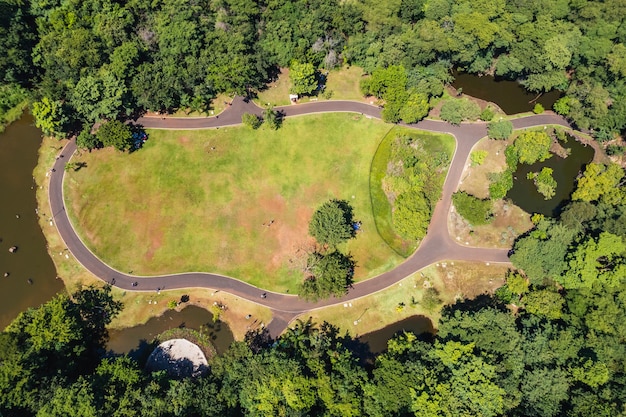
<point x="19" y="144"/>
<point x="192" y="317"/>
<point x="377" y="341"/>
<point x="509" y="95"/>
<point x="524" y="192"/>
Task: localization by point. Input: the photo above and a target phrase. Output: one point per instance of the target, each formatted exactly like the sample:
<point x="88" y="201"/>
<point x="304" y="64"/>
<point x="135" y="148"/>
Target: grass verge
<point x="453" y="280"/>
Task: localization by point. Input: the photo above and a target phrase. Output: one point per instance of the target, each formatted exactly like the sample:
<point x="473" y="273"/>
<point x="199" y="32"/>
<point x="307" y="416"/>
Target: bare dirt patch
<point x="509" y="221"/>
<point x="475" y="179"/>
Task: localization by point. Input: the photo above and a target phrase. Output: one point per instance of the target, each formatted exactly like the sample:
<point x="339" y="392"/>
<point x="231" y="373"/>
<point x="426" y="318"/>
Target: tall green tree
<point x="331" y="223"/>
<point x="303" y="78"/>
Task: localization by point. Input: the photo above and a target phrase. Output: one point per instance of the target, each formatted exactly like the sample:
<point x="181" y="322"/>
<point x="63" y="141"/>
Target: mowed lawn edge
<point x="203" y="200"/>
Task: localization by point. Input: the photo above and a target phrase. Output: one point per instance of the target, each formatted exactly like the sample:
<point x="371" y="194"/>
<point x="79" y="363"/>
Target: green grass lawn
<point x="198" y="200"/>
<point x="432" y="143"/>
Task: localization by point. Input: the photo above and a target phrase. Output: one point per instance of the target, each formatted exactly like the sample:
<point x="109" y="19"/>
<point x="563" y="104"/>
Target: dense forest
<point x="82" y="61"/>
<point x="550" y="342"/>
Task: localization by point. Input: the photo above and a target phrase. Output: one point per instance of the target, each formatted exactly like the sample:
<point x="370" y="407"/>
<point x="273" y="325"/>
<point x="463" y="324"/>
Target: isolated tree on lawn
<point x="331" y="223"/>
<point x="331" y="274"/>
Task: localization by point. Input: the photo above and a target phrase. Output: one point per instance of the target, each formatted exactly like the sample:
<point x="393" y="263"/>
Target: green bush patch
<point x="473" y="209"/>
<point x="402" y="186"/>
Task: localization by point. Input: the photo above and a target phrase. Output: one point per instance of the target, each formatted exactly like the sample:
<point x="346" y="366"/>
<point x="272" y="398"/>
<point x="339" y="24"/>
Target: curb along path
<point x="436" y="246"/>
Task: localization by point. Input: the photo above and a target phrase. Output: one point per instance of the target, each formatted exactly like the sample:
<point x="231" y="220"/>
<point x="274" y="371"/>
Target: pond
<point x="377" y="341"/>
<point x="511" y="96"/>
<point x="135" y="339"/>
<point x="524" y="192"/>
<point x="32" y="275"/>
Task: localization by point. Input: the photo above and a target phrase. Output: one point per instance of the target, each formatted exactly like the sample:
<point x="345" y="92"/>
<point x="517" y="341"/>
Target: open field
<point x="202" y="200"/>
<point x="453" y="280"/>
<point x="136" y="308"/>
<point x="344" y="84"/>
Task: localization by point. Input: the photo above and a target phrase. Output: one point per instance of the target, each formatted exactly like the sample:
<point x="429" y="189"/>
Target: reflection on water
<point x="192" y="317"/>
<point x="524" y="192"/>
<point x="510" y="96"/>
<point x="31" y="279"/>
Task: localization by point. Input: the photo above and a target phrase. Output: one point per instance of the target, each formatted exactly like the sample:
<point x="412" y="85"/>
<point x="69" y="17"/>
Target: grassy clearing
<point x="432" y="143"/>
<point x="509" y="220"/>
<point x="344" y="84"/>
<point x="453" y="280"/>
<point x="198" y="200"/>
<point x="136" y="308"/>
<point x="277" y="92"/>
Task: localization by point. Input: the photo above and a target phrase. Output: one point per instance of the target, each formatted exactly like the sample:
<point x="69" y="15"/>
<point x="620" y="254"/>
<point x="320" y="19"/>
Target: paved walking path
<point x="436" y="246"/>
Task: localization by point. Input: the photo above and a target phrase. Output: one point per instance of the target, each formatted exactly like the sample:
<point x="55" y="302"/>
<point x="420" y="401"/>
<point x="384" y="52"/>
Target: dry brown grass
<point x="509" y="221"/>
<point x="475" y="179"/>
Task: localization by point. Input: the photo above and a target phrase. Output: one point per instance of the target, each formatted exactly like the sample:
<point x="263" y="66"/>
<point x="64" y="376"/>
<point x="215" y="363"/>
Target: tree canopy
<point x="332" y="223"/>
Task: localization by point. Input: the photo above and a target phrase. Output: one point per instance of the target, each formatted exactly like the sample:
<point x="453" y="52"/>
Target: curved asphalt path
<point x="436" y="246"/>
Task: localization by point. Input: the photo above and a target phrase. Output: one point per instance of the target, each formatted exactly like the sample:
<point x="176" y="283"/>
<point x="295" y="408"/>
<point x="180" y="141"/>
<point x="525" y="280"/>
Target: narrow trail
<point x="436" y="246"/>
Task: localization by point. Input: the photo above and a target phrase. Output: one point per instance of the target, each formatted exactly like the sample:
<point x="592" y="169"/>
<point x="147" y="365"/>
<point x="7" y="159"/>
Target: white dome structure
<point x="179" y="357"/>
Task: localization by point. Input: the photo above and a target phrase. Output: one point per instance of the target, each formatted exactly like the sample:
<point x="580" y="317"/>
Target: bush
<point x="251" y="120"/>
<point x="272" y="119"/>
<point x="538" y="109"/>
<point x="116" y="134"/>
<point x="86" y="140"/>
<point x="615" y="150"/>
<point x="431" y="299"/>
<point x="502" y="129"/>
<point x="455" y="111"/>
<point x="478" y="157"/>
<point x="545" y="183"/>
<point x="501" y="183"/>
<point x="487" y="114"/>
<point x="512" y="159"/>
<point x="473" y="209"/>
<point x="411" y="215"/>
